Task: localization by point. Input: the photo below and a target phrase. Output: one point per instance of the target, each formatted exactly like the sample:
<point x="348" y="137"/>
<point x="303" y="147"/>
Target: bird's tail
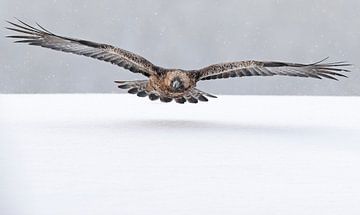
<point x="139" y="88"/>
<point x="193" y="96"/>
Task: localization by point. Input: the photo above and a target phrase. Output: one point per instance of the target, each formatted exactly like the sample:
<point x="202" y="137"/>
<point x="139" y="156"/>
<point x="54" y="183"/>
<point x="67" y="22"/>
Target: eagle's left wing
<point x="257" y="68"/>
<point x="44" y="38"/>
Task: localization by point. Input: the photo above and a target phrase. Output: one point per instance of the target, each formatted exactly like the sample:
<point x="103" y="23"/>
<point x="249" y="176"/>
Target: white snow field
<point x="120" y="154"/>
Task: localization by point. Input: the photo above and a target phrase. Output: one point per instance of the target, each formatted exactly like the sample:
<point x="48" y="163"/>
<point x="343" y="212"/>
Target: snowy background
<point x="118" y="154"/>
<point x="185" y="34"/>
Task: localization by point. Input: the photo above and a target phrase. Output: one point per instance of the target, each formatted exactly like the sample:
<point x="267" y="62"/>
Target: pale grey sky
<point x="187" y="34"/>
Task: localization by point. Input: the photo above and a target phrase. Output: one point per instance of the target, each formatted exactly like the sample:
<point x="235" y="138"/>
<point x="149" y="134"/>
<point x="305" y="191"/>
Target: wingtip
<point x="344" y="76"/>
<point x="320" y="61"/>
<point x="19" y="20"/>
<point x="7" y="21"/>
<point x="10" y="36"/>
<point x="11" y="22"/>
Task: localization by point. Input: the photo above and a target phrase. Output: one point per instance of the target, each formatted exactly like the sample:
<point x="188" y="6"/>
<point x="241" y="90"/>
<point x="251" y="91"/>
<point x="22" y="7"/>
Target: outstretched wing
<point x="257" y="68"/>
<point x="44" y="38"/>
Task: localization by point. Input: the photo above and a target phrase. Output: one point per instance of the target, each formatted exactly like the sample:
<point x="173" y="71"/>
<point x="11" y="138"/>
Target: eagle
<point x="166" y="84"/>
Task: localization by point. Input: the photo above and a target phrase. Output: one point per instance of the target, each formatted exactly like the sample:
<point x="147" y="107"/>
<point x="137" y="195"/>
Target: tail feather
<point x="131" y="84"/>
<point x="180" y="100"/>
<point x="139" y="88"/>
<point x="135" y="87"/>
<point x="194" y="96"/>
<point x="165" y="99"/>
<point x="199" y="95"/>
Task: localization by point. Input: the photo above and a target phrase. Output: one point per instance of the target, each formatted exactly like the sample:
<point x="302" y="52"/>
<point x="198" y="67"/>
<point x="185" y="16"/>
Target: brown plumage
<point x="170" y="84"/>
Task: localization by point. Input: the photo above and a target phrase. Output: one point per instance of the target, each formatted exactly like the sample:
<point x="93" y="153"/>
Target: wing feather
<point x="258" y="68"/>
<point x="44" y="38"/>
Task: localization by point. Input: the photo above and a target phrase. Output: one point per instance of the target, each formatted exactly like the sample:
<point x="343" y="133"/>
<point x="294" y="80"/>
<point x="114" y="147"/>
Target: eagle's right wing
<point x="44" y="38"/>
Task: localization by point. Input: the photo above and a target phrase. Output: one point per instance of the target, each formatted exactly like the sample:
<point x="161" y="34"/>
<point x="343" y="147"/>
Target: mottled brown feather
<point x="257" y="68"/>
<point x="44" y="38"/>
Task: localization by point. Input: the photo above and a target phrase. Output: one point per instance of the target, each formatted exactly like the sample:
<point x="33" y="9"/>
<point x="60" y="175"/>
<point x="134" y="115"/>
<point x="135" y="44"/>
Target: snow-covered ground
<point x="119" y="154"/>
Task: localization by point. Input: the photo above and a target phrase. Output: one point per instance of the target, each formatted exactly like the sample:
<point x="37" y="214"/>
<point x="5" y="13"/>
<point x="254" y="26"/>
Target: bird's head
<point x="177" y="81"/>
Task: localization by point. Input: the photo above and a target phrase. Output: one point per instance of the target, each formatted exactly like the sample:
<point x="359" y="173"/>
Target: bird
<point x="165" y="84"/>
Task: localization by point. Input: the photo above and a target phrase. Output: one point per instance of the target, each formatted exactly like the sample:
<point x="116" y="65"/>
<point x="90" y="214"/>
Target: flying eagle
<point x="169" y="84"/>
